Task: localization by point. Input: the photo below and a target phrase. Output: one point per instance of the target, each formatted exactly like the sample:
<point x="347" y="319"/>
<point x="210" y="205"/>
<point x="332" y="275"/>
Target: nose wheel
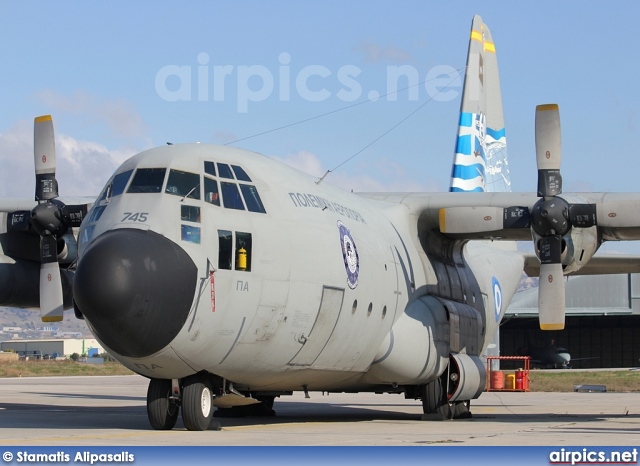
<point x="161" y="408"/>
<point x="196" y="401"/>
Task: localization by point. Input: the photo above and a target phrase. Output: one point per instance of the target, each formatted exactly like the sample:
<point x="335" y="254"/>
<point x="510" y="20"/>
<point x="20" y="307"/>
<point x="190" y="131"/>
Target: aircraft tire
<point x="434" y="402"/>
<point x="162" y="412"/>
<point x="266" y="405"/>
<point x="461" y="410"/>
<point x="197" y="402"/>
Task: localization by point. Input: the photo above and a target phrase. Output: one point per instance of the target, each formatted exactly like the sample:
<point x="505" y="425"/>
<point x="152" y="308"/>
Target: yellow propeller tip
<point x="52" y="319"/>
<point x="546" y="107"/>
<point x="551" y="326"/>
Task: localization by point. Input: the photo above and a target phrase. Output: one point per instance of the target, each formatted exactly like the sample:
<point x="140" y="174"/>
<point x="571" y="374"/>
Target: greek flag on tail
<point x="480" y="162"/>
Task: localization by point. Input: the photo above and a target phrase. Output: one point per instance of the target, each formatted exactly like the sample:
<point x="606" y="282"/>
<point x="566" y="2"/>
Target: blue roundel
<point x="497" y="297"/>
<point x="350" y="255"/>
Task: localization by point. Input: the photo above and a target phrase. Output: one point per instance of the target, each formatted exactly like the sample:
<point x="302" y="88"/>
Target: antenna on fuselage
<point x="323" y="176"/>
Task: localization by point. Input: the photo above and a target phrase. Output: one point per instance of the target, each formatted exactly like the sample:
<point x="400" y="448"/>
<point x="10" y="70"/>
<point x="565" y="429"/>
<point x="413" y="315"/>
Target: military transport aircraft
<point x="229" y="279"/>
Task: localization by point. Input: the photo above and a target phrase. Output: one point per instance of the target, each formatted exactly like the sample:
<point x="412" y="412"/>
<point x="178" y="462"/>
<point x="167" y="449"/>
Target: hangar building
<point x="602" y="325"/>
<point x="52" y="348"/>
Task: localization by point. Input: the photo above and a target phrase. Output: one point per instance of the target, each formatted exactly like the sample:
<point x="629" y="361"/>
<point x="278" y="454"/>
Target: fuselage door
<point x="323" y="327"/>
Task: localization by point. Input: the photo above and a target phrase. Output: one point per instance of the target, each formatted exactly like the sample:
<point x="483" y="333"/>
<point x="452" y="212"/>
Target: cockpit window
<point x="183" y="184"/>
<point x="225" y="171"/>
<point x="240" y="173"/>
<point x="147" y="180"/>
<point x="211" y="191"/>
<point x="210" y="168"/>
<point x="251" y="197"/>
<point x="231" y="196"/>
<point x="120" y="182"/>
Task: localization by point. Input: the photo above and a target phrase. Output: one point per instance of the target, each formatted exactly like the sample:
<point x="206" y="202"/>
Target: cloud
<point x="374" y="53"/>
<point x="17" y="177"/>
<point x="82" y="167"/>
<point x="384" y="175"/>
<point x="119" y="116"/>
<point x="305" y="162"/>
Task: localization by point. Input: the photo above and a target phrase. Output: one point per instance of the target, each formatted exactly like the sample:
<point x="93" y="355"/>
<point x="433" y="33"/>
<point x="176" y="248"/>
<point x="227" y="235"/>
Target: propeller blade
<point x="551" y="304"/>
<point x="76" y="214"/>
<point x="583" y="215"/>
<point x="19" y="221"/>
<point x="548" y="150"/>
<point x="44" y="153"/>
<point x="51" y="299"/>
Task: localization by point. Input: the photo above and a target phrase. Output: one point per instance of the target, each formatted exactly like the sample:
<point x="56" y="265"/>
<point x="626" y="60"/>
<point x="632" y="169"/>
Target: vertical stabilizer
<point x="480" y="161"/>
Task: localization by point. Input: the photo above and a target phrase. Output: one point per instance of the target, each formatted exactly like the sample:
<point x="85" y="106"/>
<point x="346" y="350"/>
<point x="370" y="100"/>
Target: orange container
<point x="497" y="380"/>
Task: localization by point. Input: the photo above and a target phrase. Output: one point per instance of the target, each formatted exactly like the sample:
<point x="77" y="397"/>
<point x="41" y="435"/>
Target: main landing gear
<point x="437" y="407"/>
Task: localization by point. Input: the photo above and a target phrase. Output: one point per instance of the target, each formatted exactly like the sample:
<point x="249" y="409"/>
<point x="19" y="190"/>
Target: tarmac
<point x="110" y="411"/>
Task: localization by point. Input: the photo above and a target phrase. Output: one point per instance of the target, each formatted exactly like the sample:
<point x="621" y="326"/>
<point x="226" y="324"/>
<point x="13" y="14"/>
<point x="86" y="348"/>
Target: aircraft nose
<point x="135" y="288"/>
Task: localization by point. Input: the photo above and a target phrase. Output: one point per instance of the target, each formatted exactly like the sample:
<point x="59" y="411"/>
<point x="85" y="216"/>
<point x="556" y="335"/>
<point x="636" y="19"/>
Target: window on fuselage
<point x="211" y="194"/>
<point x="97" y="213"/>
<point x="183" y="184"/>
<point x="147" y="180"/>
<point x="225" y="249"/>
<point x="210" y="168"/>
<point x="231" y="196"/>
<point x="240" y="173"/>
<point x="190" y="213"/>
<point x="234" y="196"/>
<point x="252" y="198"/>
<point x="224" y="171"/>
<point x="119" y="183"/>
<point x="190" y="234"/>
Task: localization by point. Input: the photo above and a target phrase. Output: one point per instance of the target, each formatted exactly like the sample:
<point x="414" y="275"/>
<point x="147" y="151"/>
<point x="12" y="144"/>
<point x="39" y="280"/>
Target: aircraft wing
<point x="597" y="265"/>
<point x="509" y="216"/>
<point x="14" y="204"/>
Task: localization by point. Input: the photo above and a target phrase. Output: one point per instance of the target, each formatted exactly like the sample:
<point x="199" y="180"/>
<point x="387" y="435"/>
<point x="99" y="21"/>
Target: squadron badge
<point x="350" y="255"/>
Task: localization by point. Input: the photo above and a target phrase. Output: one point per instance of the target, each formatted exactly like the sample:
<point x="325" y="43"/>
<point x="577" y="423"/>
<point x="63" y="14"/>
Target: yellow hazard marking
<point x="42" y="118"/>
<point x="442" y="216"/>
<point x="551" y="326"/>
<point x="489" y="47"/>
<point x="476" y="35"/>
<point x="52" y="319"/>
<point x="546" y="107"/>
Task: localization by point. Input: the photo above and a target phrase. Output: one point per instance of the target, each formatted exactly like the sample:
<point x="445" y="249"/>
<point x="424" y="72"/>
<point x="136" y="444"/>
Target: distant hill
<point x="31" y="326"/>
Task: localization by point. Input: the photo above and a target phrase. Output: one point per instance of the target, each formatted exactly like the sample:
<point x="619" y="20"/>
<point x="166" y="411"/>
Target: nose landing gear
<point x="196" y="401"/>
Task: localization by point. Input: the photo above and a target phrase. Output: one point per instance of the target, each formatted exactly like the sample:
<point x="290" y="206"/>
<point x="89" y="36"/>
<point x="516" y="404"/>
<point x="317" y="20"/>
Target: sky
<point x="120" y="77"/>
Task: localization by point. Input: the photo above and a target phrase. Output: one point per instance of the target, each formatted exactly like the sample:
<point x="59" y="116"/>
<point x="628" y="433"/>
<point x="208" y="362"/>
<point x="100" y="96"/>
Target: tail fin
<point x="480" y="162"/>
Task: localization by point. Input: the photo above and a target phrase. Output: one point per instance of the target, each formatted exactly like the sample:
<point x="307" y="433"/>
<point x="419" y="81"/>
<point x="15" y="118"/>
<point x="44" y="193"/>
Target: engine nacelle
<point x="578" y="247"/>
<point x="417" y="349"/>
